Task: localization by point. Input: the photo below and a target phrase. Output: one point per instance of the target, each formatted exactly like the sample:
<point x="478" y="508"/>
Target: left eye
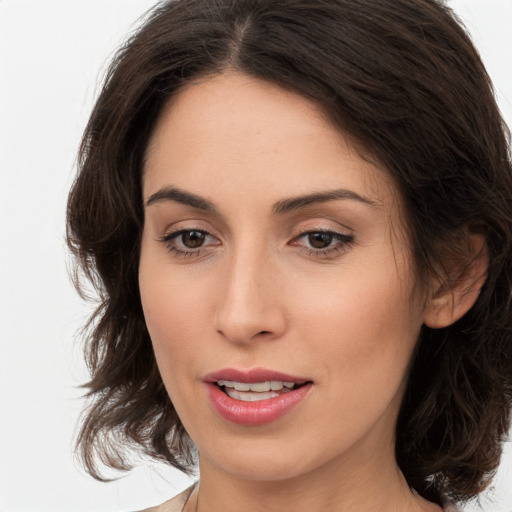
<point x="320" y="239"/>
<point x="323" y="242"/>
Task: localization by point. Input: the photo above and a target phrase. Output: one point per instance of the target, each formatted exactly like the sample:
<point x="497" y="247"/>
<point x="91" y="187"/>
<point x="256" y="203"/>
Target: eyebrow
<point x="180" y="196"/>
<point x="282" y="207"/>
<point x="296" y="203"/>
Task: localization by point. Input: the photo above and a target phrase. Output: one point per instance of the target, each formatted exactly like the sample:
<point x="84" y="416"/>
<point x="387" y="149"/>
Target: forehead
<point x="239" y="133"/>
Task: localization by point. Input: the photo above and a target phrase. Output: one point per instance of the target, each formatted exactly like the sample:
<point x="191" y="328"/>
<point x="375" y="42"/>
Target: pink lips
<point x="261" y="411"/>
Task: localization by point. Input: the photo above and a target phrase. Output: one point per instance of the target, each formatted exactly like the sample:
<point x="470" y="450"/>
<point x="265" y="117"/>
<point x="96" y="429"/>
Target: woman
<point x="298" y="216"/>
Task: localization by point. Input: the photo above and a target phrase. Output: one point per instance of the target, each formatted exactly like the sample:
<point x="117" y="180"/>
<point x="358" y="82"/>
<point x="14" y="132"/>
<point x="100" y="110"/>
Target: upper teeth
<point x="274" y="385"/>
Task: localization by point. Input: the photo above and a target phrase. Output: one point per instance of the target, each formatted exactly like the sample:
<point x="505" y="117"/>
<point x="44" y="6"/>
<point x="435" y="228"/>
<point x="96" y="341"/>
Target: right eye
<point x="189" y="242"/>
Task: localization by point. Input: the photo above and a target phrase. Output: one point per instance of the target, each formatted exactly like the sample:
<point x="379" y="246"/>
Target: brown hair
<point x="401" y="77"/>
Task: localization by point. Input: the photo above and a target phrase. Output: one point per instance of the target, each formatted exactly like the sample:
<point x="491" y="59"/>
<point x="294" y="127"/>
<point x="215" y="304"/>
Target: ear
<point x="455" y="297"/>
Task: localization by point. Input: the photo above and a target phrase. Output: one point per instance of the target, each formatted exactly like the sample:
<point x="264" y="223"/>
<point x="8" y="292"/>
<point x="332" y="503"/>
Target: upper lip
<point x="251" y="376"/>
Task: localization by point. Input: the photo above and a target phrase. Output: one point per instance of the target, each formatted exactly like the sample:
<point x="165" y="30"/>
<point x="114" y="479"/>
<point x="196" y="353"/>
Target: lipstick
<point x="255" y="397"/>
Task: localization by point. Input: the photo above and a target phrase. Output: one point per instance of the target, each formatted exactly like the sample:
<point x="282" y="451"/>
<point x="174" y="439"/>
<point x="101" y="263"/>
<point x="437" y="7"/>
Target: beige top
<point x="177" y="504"/>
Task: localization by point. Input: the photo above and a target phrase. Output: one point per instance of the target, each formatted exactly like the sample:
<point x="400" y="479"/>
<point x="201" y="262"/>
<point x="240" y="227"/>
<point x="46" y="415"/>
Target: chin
<point x="264" y="462"/>
<point x="270" y="470"/>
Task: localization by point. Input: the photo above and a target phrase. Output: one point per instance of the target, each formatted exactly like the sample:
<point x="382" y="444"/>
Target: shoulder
<point x="175" y="504"/>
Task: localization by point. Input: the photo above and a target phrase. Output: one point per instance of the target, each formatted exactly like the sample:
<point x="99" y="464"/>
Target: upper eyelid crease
<point x="280" y="208"/>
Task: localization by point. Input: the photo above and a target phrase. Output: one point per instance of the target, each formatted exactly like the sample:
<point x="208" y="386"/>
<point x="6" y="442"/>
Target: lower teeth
<point x="252" y="396"/>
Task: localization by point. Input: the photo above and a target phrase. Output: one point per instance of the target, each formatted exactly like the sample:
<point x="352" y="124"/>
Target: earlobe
<point x="454" y="298"/>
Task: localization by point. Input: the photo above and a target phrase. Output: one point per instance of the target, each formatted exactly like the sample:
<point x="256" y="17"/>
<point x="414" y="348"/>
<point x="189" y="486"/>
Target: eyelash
<point x="169" y="241"/>
<point x="343" y="241"/>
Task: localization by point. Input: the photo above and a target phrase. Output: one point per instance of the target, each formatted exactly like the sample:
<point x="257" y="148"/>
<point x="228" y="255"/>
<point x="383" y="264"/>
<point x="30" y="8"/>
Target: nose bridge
<point x="249" y="303"/>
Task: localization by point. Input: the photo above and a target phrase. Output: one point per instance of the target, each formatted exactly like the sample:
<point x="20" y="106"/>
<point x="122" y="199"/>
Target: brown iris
<point x="320" y="240"/>
<point x="193" y="239"/>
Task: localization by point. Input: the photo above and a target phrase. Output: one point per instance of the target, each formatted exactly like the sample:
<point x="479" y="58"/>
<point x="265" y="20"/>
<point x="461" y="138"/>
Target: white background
<point x="51" y="54"/>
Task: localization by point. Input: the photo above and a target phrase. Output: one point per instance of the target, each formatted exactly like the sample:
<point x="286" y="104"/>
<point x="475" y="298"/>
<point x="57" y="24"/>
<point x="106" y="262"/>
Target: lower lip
<point x="255" y="413"/>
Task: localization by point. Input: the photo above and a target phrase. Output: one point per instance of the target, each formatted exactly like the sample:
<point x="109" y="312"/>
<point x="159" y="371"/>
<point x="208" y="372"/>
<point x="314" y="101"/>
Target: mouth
<point x="255" y="397"/>
<point x="256" y="391"/>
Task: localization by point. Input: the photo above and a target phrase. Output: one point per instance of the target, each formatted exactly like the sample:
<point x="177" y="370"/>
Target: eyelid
<point x="321" y="225"/>
<point x="189" y="224"/>
<point x="337" y="234"/>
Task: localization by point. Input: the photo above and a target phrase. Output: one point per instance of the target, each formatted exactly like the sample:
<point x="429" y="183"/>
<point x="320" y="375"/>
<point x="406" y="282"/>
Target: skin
<point x="255" y="294"/>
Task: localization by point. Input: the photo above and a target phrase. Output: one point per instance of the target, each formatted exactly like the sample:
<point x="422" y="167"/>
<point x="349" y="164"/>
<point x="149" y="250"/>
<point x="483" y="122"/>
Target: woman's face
<point x="272" y="252"/>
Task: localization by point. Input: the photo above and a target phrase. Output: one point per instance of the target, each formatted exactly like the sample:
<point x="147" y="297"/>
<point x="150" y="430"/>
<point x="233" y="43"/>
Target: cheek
<point x="172" y="322"/>
<point x="365" y="326"/>
<point x="173" y="317"/>
<point x="170" y="310"/>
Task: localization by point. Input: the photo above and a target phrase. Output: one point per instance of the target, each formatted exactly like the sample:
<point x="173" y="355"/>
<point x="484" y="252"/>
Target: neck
<point x="376" y="484"/>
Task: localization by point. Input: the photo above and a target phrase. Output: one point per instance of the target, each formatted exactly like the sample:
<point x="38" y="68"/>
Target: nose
<point x="250" y="303"/>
